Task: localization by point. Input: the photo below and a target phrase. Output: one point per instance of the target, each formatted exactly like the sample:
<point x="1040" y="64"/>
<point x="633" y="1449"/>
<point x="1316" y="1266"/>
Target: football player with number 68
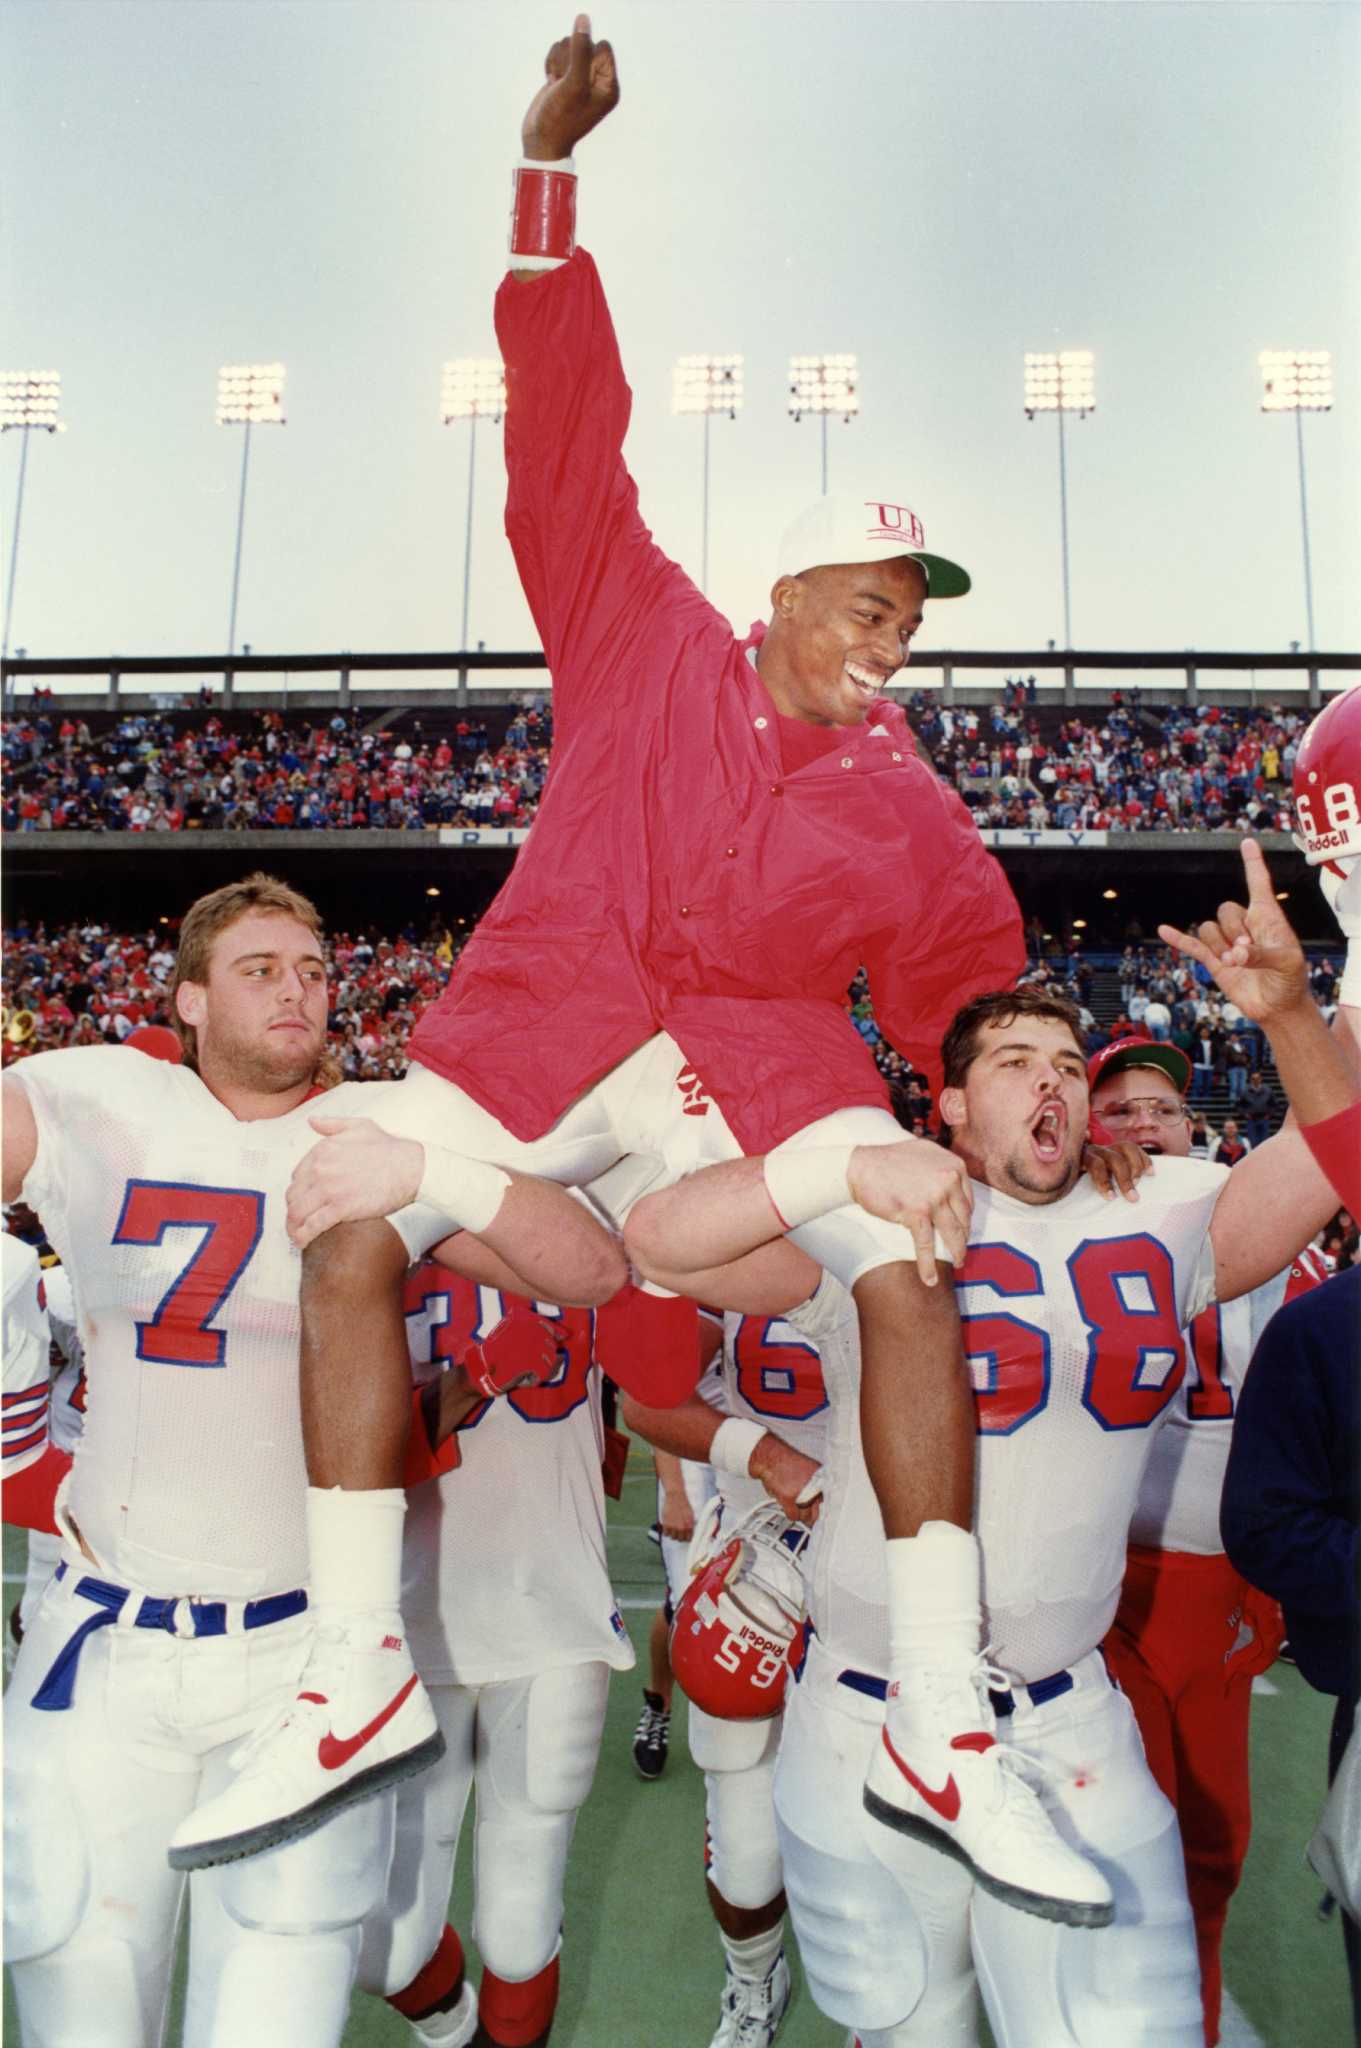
<point x="1072" y="1310"/>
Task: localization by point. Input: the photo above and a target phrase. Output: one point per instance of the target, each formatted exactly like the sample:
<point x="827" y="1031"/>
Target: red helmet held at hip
<point x="740" y="1614"/>
<point x="1328" y="783"/>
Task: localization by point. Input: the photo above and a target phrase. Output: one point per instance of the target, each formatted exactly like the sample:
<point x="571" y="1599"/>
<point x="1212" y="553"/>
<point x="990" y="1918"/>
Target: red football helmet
<point x="740" y="1613"/>
<point x="1328" y="784"/>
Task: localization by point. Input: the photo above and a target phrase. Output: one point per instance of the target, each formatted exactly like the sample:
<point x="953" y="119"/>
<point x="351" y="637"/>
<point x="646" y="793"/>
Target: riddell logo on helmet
<point x="754" y="1636"/>
<point x="896" y="521"/>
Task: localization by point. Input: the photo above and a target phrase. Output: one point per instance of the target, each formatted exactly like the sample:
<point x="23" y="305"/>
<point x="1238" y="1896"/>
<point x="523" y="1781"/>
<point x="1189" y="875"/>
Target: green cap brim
<point x="944" y="579"/>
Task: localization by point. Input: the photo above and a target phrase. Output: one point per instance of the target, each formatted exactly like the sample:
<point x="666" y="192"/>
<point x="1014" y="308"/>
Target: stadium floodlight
<point x="1299" y="380"/>
<point x="824" y="386"/>
<point x="30" y="401"/>
<point x="707" y="385"/>
<point x="1061" y="381"/>
<point x="471" y="388"/>
<point x="248" y="395"/>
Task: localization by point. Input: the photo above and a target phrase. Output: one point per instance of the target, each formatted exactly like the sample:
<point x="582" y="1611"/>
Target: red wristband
<point x="543" y="216"/>
<point x="1336" y="1146"/>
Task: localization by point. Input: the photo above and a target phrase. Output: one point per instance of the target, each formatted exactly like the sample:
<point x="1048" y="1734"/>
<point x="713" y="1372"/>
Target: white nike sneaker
<point x="753" y="2007"/>
<point x="362" y="1720"/>
<point x="452" y="2029"/>
<point x="939" y="1773"/>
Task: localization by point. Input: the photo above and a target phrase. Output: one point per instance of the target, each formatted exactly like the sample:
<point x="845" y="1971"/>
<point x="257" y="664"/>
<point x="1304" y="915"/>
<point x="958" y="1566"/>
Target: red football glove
<point x="523" y="1350"/>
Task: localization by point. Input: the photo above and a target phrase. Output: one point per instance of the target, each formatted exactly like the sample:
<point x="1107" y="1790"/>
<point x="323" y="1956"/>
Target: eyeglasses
<point x="1135" y="1107"/>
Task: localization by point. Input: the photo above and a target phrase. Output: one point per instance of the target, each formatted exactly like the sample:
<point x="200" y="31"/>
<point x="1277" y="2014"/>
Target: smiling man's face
<point x="838" y="636"/>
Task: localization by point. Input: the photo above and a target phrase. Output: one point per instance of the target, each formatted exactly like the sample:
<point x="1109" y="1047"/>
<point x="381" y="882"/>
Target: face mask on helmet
<point x="740" y="1614"/>
<point x="1327" y="784"/>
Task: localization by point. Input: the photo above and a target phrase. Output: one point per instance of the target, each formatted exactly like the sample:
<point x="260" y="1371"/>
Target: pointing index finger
<point x="1260" y="892"/>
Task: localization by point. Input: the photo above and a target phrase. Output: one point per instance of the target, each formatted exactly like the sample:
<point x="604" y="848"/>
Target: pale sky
<point x="936" y="185"/>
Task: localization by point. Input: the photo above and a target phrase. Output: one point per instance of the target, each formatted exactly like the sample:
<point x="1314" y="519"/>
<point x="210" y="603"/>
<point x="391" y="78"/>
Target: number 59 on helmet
<point x="740" y="1613"/>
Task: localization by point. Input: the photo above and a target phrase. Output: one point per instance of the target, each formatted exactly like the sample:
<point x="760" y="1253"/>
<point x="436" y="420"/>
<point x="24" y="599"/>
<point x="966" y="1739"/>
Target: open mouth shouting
<point x="1048" y="1132"/>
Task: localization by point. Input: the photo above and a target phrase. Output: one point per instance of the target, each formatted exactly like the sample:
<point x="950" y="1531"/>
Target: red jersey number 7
<point x="230" y="1221"/>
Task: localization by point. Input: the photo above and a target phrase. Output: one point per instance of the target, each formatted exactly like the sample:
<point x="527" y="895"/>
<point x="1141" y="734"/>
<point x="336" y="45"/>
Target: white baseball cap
<point x="844" y="527"/>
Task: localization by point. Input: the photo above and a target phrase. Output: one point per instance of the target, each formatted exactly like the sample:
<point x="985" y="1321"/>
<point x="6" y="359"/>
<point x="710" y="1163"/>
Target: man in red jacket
<point x="731" y="828"/>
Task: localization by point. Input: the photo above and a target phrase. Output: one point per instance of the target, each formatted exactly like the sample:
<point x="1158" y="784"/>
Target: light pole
<point x="248" y="395"/>
<point x="1061" y="382"/>
<point x="707" y="384"/>
<point x="29" y="402"/>
<point x="472" y="388"/>
<point x="824" y="385"/>
<point x="1299" y="380"/>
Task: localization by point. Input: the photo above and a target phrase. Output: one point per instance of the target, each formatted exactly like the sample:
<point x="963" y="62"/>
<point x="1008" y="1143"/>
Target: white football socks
<point x="354" y="1539"/>
<point x="754" y="1958"/>
<point x="934" y="1614"/>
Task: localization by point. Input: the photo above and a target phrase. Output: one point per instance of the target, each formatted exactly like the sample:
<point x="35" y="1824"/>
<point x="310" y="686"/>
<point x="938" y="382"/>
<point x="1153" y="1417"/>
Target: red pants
<point x="1188" y="1639"/>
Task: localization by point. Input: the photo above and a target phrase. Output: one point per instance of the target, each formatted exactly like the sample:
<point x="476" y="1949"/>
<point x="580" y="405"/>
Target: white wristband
<point x="734" y="1441"/>
<point x="467" y="1191"/>
<point x="808" y="1183"/>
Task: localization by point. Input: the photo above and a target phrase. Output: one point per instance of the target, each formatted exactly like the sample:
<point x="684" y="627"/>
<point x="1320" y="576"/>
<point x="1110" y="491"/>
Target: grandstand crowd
<point x="152" y="772"/>
<point x="1128" y="769"/>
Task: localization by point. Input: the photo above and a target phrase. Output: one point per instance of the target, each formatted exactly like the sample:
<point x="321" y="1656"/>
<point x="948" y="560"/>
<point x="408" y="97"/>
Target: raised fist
<point x="581" y="86"/>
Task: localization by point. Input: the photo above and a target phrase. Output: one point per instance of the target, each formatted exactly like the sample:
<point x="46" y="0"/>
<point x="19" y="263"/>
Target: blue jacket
<point x="1291" y="1512"/>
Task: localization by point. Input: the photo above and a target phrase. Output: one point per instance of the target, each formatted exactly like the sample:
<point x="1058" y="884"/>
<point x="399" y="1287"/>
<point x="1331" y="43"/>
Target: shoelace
<point x="300" y="1716"/>
<point x="752" y="2005"/>
<point x="653" y="1722"/>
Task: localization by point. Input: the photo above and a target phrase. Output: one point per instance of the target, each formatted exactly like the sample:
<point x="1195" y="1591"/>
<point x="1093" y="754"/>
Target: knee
<point x="644" y="1238"/>
<point x="349" y="1262"/>
<point x="603" y="1271"/>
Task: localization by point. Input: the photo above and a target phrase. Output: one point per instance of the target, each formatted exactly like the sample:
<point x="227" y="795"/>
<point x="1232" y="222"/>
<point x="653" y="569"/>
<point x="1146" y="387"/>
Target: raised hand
<point x="581" y="86"/>
<point x="1251" y="950"/>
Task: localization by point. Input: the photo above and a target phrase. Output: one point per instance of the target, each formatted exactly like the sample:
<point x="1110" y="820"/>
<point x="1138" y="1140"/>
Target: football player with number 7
<point x="1072" y="1314"/>
<point x="179" y="1616"/>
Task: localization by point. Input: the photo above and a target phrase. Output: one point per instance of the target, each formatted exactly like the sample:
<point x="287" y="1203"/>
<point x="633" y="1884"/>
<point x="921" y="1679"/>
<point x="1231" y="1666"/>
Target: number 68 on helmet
<point x="738" y="1618"/>
<point x="1328" y="784"/>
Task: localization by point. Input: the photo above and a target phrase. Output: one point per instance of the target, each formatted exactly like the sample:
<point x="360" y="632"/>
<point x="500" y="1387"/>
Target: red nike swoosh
<point x="945" y="1802"/>
<point x="333" y="1750"/>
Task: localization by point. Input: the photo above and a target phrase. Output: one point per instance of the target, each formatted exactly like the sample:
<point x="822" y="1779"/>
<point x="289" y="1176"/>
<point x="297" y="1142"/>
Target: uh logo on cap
<point x="895" y="522"/>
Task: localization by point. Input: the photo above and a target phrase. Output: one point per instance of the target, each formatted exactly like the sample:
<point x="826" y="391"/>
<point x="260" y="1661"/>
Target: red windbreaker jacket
<point x="676" y="879"/>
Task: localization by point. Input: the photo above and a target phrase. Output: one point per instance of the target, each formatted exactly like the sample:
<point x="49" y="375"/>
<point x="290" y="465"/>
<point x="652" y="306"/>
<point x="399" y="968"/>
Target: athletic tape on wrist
<point x="802" y="1185"/>
<point x="734" y="1441"/>
<point x="543" y="214"/>
<point x="466" y="1190"/>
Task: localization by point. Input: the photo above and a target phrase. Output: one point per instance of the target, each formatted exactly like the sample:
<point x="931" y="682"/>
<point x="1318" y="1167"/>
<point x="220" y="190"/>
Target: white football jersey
<point x="27" y="1346"/>
<point x="504" y="1570"/>
<point x="1072" y="1314"/>
<point x="169" y="1215"/>
<point x="771" y="1374"/>
<point x="1178" y="1505"/>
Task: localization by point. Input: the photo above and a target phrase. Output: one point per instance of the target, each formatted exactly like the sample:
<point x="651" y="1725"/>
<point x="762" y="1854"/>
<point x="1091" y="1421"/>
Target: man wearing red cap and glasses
<point x="1190" y="1634"/>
